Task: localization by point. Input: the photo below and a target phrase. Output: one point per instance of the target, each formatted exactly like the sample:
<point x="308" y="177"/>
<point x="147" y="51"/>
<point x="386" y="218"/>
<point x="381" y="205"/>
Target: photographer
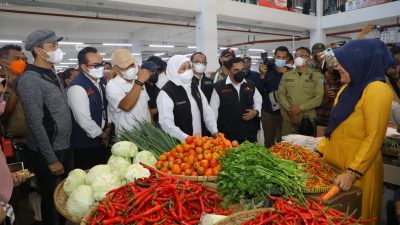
<point x="271" y="74"/>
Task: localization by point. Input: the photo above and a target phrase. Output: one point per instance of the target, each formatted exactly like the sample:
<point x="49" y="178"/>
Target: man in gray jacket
<point x="48" y="117"/>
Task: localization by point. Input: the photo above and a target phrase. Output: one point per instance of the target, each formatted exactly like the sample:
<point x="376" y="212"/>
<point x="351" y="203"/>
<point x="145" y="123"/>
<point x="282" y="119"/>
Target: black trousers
<point x="47" y="183"/>
<point x="86" y="158"/>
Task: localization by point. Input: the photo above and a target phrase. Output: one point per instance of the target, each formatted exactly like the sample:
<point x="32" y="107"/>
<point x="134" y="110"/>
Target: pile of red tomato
<point x="196" y="156"/>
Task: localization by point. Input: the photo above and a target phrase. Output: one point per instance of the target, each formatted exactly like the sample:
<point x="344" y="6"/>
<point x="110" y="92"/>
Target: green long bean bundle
<point x="251" y="171"/>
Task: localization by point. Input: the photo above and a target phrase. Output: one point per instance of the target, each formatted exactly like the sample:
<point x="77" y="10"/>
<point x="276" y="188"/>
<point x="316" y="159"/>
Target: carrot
<point x="331" y="193"/>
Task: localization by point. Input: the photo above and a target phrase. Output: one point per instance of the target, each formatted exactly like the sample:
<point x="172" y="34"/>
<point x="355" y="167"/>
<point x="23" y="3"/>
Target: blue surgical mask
<point x="280" y="63"/>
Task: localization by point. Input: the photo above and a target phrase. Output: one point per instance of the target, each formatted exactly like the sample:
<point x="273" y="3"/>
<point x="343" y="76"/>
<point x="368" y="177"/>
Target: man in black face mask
<point x="151" y="87"/>
<point x="237" y="104"/>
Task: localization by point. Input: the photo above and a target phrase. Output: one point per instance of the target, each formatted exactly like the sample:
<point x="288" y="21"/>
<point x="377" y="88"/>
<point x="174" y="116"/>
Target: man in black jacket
<point x="199" y="64"/>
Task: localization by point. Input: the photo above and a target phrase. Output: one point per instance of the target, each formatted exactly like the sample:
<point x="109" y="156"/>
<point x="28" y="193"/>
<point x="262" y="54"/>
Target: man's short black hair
<point x="395" y="50"/>
<point x="82" y="55"/>
<point x="107" y="63"/>
<point x="229" y="64"/>
<point x="196" y="53"/>
<point x="281" y="49"/>
<point x="5" y="50"/>
<point x="305" y="49"/>
<point x="246" y="58"/>
<point x="290" y="57"/>
<point x="67" y="73"/>
<point x="159" y="62"/>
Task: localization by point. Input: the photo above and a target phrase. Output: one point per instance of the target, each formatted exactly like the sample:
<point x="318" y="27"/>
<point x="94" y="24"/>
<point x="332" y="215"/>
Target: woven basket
<point x="316" y="190"/>
<point x="239" y="218"/>
<point x="60" y="201"/>
<point x="88" y="215"/>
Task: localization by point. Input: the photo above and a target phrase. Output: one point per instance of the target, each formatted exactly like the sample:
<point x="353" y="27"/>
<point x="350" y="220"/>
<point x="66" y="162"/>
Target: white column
<point x="318" y="35"/>
<point x="136" y="48"/>
<point x="206" y="33"/>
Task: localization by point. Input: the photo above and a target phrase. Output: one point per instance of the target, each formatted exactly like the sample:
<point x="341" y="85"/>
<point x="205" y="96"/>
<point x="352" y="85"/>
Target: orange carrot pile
<point x="320" y="174"/>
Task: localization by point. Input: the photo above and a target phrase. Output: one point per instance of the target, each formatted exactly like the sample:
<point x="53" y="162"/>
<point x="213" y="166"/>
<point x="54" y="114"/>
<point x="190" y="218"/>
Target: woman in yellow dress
<point x="359" y="120"/>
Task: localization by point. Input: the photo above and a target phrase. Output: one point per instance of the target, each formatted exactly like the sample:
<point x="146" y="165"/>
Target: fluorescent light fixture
<point x="238" y="55"/>
<point x="191" y="46"/>
<point x="117" y="44"/>
<point x="107" y="59"/>
<point x="136" y="54"/>
<point x="61" y="66"/>
<point x="298" y="7"/>
<point x="64" y="53"/>
<point x="69" y="43"/>
<point x="223" y="48"/>
<point x="190" y="54"/>
<point x="162" y="46"/>
<point x="256" y="50"/>
<point x="73" y="59"/>
<point x="166" y="58"/>
<point x="10" y="41"/>
<point x="103" y="53"/>
<point x="253" y="63"/>
<point x="294" y="51"/>
<point x="255" y="57"/>
<point x="67" y="63"/>
<point x="273" y="50"/>
<point x="159" y="54"/>
<point x="270" y="57"/>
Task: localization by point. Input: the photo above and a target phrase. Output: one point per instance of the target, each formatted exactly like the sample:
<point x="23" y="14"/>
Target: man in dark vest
<point x="183" y="108"/>
<point x="88" y="103"/>
<point x="236" y="103"/>
<point x="199" y="64"/>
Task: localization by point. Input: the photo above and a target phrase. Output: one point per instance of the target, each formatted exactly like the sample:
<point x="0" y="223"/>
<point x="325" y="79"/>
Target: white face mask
<point x="130" y="74"/>
<point x="299" y="61"/>
<point x="199" y="67"/>
<point x="186" y="77"/>
<point x="96" y="73"/>
<point x="55" y="56"/>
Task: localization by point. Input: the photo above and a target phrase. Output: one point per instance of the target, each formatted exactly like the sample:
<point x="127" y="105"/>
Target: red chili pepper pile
<point x="159" y="199"/>
<point x="320" y="174"/>
<point x="289" y="211"/>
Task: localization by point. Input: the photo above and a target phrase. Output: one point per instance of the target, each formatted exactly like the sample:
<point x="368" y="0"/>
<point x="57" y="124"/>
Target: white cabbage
<point x="136" y="171"/>
<point x="124" y="149"/>
<point x="118" y="165"/>
<point x="145" y="157"/>
<point x="80" y="200"/>
<point x="104" y="183"/>
<point x="95" y="172"/>
<point x="75" y="179"/>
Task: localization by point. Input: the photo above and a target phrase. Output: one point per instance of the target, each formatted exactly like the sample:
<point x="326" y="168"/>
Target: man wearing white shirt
<point x="237" y="104"/>
<point x="87" y="100"/>
<point x="126" y="93"/>
<point x="183" y="108"/>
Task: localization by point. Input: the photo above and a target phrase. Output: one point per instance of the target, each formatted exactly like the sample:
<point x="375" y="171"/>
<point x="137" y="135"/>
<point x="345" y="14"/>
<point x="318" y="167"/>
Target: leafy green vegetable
<point x="251" y="171"/>
<point x="150" y="138"/>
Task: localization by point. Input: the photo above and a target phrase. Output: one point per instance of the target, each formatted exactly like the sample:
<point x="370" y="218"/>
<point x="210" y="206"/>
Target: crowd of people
<point x="68" y="120"/>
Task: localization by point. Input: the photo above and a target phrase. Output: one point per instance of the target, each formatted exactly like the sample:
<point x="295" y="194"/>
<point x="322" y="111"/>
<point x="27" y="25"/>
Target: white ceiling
<point x="17" y="26"/>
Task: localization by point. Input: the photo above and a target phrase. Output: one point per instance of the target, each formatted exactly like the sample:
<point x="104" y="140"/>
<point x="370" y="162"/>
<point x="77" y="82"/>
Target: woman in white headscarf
<point x="183" y="108"/>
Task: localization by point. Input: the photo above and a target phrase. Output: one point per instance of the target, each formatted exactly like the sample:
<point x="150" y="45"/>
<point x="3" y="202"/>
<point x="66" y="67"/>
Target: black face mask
<point x="153" y="78"/>
<point x="239" y="76"/>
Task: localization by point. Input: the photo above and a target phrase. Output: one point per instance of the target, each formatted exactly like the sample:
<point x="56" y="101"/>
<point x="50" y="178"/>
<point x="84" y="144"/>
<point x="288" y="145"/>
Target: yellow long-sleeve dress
<point x="356" y="144"/>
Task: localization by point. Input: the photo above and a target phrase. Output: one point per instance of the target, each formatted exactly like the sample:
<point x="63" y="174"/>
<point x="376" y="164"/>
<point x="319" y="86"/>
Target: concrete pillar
<point x="206" y="33"/>
<point x="318" y="35"/>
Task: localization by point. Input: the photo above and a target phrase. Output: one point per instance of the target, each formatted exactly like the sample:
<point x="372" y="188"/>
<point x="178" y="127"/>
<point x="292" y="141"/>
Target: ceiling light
<point x="270" y="57"/>
<point x="253" y="63"/>
<point x="298" y="7"/>
<point x="69" y="43"/>
<point x="239" y="56"/>
<point x="273" y="50"/>
<point x="102" y="53"/>
<point x="107" y="59"/>
<point x="223" y="48"/>
<point x="256" y="50"/>
<point x="166" y="58"/>
<point x="10" y="41"/>
<point x="136" y="54"/>
<point x="190" y="54"/>
<point x="191" y="46"/>
<point x="117" y="44"/>
<point x="159" y="54"/>
<point x="255" y="57"/>
<point x="162" y="46"/>
<point x="73" y="59"/>
<point x="67" y="63"/>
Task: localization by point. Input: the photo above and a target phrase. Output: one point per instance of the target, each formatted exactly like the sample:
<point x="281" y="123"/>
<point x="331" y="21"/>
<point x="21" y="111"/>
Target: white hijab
<point x="173" y="65"/>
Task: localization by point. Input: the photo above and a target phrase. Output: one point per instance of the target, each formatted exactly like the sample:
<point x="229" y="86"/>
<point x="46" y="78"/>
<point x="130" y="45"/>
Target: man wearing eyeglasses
<point x="300" y="92"/>
<point x="88" y="103"/>
<point x="199" y="62"/>
<point x="126" y="92"/>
